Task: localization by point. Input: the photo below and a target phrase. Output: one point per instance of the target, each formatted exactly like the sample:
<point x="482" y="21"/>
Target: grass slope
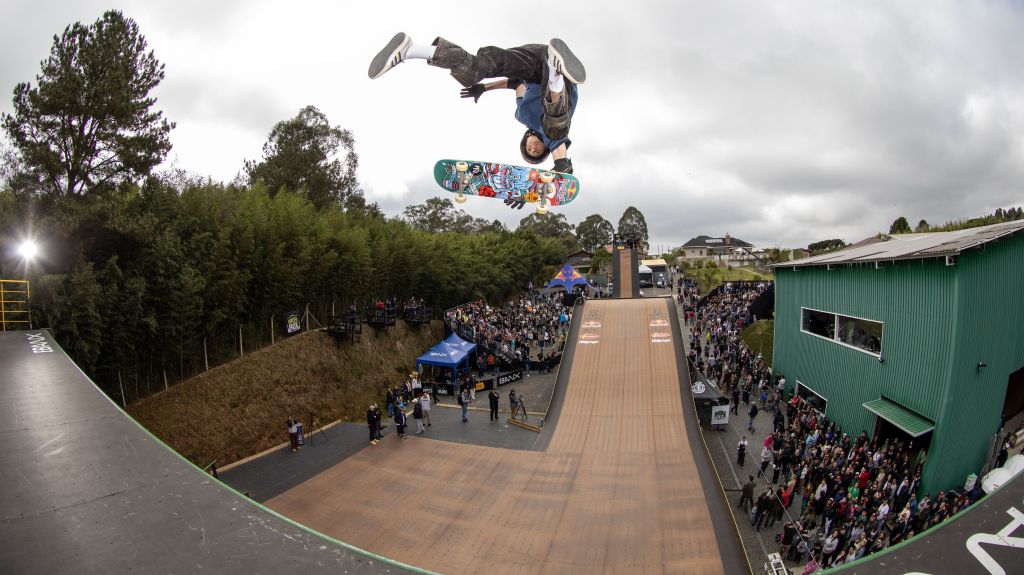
<point x="760" y="337"/>
<point x="239" y="409"/>
<point x="710" y="278"/>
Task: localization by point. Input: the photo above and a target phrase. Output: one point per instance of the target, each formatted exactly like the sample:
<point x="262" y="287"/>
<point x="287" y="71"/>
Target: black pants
<point x="528" y="63"/>
<point x="373" y="432"/>
<point x="494" y="411"/>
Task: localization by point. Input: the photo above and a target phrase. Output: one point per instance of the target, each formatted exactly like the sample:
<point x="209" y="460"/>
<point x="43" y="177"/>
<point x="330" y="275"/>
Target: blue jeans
<point x="465" y="411"/>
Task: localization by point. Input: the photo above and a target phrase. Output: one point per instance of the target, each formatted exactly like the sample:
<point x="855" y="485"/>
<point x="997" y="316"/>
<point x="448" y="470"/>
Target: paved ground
<point x="722" y="446"/>
<point x="278" y="470"/>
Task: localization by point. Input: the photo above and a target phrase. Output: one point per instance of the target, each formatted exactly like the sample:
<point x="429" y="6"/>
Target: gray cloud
<point x="780" y="123"/>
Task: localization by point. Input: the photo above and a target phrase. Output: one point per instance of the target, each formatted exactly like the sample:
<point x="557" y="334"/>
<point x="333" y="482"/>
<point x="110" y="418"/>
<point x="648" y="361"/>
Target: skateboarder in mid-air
<point x="544" y="77"/>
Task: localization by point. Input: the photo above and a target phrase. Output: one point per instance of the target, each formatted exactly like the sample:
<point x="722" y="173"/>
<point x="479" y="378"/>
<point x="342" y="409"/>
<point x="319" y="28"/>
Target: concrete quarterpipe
<point x="87" y="490"/>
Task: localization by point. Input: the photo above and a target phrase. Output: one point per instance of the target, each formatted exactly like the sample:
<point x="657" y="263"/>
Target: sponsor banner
<point x="719" y="414"/>
<point x="510" y="377"/>
<point x="591" y="324"/>
<point x="659" y="323"/>
<point x="37" y="341"/>
<point x="292" y="323"/>
<point x="661" y="337"/>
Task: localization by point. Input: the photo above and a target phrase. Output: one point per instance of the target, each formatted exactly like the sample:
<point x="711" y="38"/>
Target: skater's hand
<point x="515" y="203"/>
<point x="474" y="91"/>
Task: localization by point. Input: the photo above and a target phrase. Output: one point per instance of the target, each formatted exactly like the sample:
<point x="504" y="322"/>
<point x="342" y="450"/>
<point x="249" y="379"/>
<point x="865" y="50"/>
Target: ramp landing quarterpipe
<point x="617" y="490"/>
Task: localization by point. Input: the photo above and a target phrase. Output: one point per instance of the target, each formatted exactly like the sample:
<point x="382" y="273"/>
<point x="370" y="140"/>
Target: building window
<point x="819" y="403"/>
<point x="819" y="323"/>
<point x="859" y="333"/>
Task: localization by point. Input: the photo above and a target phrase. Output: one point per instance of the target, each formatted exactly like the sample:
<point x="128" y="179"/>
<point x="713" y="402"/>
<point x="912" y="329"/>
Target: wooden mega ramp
<point x="616" y="491"/>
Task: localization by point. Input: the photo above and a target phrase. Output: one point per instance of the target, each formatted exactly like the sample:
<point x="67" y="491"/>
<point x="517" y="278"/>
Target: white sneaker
<point x="563" y="61"/>
<point x="392" y="55"/>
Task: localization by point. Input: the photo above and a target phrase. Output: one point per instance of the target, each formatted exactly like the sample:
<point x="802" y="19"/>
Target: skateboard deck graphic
<point x="506" y="182"/>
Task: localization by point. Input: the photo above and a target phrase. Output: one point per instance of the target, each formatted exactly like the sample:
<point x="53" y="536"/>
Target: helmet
<point x="526" y="156"/>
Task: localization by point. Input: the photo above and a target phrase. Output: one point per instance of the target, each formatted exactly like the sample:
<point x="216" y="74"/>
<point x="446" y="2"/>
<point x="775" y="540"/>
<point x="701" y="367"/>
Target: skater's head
<point x="532" y="147"/>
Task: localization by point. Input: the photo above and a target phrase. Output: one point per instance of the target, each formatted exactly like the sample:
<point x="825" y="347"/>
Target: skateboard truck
<point x="546" y="187"/>
<point x="464" y="178"/>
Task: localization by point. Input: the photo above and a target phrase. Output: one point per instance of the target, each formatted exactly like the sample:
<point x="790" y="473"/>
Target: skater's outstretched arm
<point x="477" y="90"/>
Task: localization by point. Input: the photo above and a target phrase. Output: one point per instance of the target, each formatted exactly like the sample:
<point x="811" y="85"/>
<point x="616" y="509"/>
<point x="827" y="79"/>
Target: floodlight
<point x="28" y="250"/>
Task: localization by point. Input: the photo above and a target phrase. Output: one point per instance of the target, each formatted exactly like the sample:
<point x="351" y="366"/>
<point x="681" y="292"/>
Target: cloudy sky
<point x="781" y="123"/>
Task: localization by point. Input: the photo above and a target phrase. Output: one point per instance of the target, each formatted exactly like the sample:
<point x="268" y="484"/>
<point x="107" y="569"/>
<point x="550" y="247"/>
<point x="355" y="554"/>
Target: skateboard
<point x="506" y="182"/>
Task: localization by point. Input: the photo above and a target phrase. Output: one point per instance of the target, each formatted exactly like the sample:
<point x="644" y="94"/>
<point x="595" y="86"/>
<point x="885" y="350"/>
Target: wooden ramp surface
<point x="617" y="491"/>
<point x="626" y="273"/>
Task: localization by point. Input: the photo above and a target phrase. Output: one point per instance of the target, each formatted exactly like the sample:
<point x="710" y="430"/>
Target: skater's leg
<point x="526" y="63"/>
<point x="556" y="119"/>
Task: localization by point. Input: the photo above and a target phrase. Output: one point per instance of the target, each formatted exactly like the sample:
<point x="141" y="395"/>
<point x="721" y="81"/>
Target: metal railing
<point x="15" y="308"/>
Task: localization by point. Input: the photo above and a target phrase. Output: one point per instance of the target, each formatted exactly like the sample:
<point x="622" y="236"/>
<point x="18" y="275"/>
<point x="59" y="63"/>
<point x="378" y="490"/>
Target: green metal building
<point x="919" y="337"/>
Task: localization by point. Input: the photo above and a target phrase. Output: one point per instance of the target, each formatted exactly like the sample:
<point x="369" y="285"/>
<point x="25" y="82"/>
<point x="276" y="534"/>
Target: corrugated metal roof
<point x="913" y="246"/>
<point x="910" y="422"/>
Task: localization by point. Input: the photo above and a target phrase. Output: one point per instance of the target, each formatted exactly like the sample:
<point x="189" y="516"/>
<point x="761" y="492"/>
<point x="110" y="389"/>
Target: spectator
<point x="425" y="406"/>
<point x="417" y="415"/>
<point x="293" y="433"/>
<point x="741" y="450"/>
<point x="400" y="419"/>
<point x="747" y="495"/>
<point x="493" y="397"/>
<point x="371" y="423"/>
<point x="464" y="404"/>
<point x="377" y="421"/>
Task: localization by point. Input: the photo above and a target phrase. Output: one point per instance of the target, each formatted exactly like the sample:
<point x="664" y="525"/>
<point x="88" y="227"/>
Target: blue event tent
<point x="452" y="352"/>
<point x="568" y="278"/>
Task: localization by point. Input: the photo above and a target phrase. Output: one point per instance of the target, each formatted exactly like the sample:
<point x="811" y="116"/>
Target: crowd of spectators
<point x="837" y="497"/>
<point x="527" y="331"/>
<point x="716" y="349"/>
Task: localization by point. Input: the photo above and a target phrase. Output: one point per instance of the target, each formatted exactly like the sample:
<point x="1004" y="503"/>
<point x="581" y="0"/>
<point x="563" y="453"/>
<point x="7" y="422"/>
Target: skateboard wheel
<point x="460" y="199"/>
<point x="541" y="210"/>
<point x="546" y="177"/>
<point x="461" y="166"/>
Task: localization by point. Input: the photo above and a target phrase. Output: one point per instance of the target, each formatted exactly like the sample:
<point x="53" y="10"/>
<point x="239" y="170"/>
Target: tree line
<point x="901" y="226"/>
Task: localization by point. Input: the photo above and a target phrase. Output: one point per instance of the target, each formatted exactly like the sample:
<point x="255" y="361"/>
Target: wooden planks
<point x="626" y="273"/>
<point x="616" y="491"/>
